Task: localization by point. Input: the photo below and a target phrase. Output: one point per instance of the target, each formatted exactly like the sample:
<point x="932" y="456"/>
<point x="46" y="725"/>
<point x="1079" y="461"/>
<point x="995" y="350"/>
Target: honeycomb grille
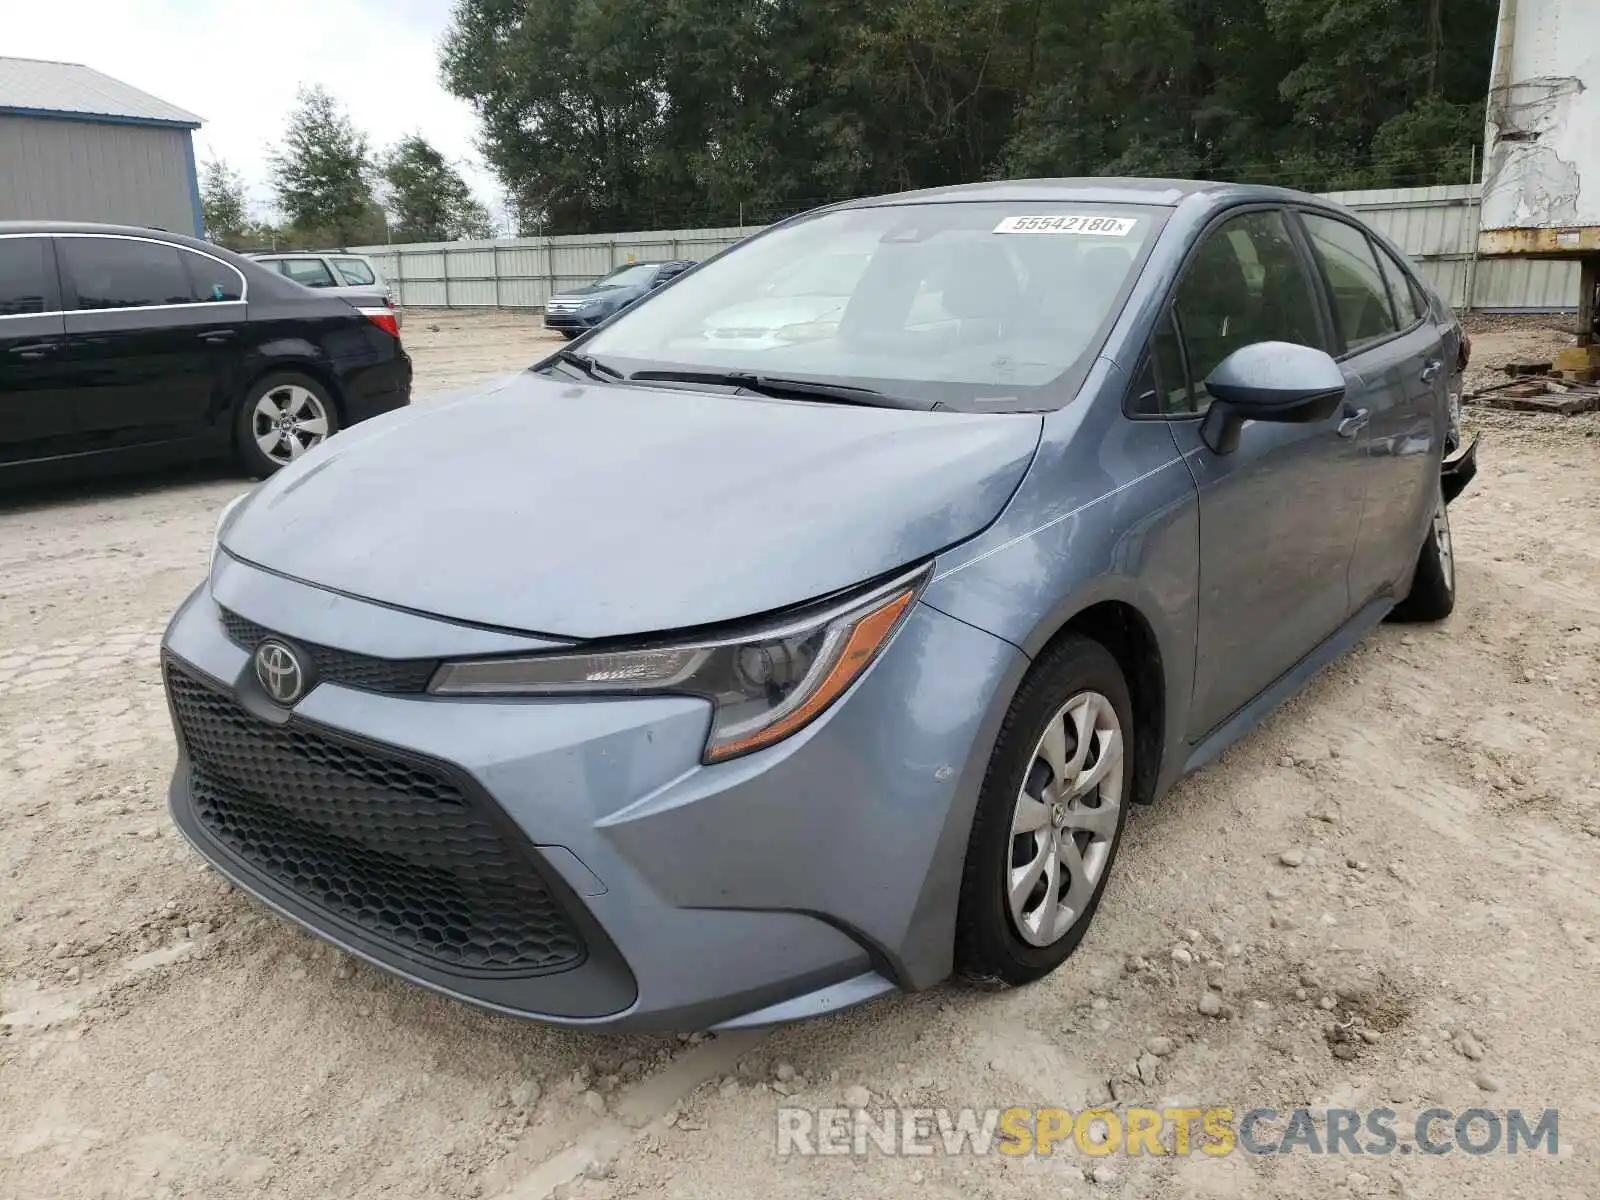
<point x="398" y="676"/>
<point x="390" y="847"/>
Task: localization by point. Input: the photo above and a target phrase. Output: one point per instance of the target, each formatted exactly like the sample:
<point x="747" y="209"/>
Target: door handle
<point x="218" y="337"/>
<point x="35" y="350"/>
<point x="1354" y="423"/>
<point x="1431" y="371"/>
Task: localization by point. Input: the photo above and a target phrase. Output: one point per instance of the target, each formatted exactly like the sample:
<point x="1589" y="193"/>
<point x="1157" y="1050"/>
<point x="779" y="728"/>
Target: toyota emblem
<point x="279" y="672"/>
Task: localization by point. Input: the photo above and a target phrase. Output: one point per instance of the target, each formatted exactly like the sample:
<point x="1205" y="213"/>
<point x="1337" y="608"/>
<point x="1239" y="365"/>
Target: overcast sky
<point x="238" y="64"/>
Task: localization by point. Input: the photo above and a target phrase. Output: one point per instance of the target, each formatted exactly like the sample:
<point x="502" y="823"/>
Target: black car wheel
<point x="280" y="418"/>
<point x="1433" y="587"/>
<point x="1049" y="818"/>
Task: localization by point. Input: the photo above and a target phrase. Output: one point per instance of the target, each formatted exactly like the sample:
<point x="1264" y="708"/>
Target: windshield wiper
<point x="774" y="385"/>
<point x="590" y="365"/>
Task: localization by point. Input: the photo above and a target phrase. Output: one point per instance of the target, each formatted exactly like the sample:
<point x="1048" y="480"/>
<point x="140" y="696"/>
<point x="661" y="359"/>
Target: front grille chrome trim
<point x="330" y="664"/>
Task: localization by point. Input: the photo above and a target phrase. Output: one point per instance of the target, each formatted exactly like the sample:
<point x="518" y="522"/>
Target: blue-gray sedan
<point x="688" y="680"/>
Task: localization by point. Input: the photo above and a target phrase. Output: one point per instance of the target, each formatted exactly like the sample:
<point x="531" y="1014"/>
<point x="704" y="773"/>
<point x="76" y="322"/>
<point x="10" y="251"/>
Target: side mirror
<point x="1269" y="381"/>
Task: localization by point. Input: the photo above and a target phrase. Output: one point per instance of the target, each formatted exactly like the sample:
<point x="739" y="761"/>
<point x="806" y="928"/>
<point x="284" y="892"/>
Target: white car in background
<point x="352" y="276"/>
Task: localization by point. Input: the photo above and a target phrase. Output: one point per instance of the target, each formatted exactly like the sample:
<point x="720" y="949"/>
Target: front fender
<point x="1107" y="514"/>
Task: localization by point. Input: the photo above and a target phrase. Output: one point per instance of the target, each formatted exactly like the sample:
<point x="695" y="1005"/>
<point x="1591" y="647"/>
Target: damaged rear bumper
<point x="1458" y="469"/>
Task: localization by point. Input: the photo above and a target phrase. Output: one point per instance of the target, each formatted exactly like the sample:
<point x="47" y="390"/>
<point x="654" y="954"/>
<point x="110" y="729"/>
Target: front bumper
<point x="570" y="322"/>
<point x="1458" y="469"/>
<point x="813" y="874"/>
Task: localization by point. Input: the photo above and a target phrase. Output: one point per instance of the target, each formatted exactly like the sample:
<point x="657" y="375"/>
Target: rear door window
<point x="310" y="272"/>
<point x="356" y="273"/>
<point x="1360" y="295"/>
<point x="123" y="272"/>
<point x="1401" y="289"/>
<point x="25" y="276"/>
<point x="210" y="281"/>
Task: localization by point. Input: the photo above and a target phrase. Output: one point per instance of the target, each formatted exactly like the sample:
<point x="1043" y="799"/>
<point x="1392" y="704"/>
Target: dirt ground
<point x="1439" y="789"/>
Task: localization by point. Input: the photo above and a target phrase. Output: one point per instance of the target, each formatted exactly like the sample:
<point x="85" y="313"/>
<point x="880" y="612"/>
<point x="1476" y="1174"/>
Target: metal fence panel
<point x="1436" y="226"/>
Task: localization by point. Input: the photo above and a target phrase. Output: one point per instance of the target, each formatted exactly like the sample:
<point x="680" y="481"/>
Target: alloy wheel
<point x="287" y="421"/>
<point x="1065" y="819"/>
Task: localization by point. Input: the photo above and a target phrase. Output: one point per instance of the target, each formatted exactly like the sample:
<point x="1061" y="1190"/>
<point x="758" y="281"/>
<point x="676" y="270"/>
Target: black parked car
<point x="123" y="346"/>
<point x="581" y="309"/>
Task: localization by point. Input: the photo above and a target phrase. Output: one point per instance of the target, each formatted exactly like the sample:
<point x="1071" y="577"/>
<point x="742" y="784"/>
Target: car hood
<point x="602" y="511"/>
<point x="591" y="292"/>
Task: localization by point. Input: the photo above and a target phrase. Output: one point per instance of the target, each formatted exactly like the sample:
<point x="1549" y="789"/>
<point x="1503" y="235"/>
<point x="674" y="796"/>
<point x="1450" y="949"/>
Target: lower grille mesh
<point x="388" y="846"/>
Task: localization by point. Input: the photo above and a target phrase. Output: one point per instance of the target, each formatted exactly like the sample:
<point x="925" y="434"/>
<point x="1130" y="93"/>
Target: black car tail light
<point x="384" y="319"/>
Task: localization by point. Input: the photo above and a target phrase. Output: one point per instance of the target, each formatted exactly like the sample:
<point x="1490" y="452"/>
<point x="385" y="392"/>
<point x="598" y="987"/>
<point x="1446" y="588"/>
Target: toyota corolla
<point x="675" y="683"/>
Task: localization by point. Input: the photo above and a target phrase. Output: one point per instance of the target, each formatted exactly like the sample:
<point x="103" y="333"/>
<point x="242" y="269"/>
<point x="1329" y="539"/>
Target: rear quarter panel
<point x="326" y="338"/>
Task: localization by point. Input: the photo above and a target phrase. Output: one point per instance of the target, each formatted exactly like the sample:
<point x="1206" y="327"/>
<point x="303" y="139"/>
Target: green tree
<point x="428" y="200"/>
<point x="222" y="203"/>
<point x="1364" y="66"/>
<point x="565" y="95"/>
<point x="607" y="114"/>
<point x="323" y="171"/>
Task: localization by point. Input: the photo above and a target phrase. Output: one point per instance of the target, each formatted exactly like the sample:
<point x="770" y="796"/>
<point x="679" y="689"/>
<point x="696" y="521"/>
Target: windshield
<point x="972" y="304"/>
<point x="630" y="274"/>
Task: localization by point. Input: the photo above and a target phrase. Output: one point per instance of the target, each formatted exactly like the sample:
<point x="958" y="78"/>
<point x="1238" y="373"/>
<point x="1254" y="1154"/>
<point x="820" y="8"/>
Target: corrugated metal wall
<point x="525" y="272"/>
<point x="1436" y="226"/>
<point x="83" y="171"/>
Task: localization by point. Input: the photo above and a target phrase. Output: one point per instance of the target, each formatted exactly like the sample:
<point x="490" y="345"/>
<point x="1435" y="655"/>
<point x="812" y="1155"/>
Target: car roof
<point x="145" y="231"/>
<point x="1167" y="193"/>
<point x="263" y="281"/>
<point x="303" y="254"/>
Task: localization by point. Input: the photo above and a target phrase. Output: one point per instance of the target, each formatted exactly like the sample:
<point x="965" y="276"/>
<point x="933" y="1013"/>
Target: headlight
<point x="224" y="519"/>
<point x="590" y="306"/>
<point x="763" y="686"/>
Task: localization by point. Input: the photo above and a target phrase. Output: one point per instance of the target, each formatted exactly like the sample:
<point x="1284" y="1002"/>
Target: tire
<point x="1433" y="586"/>
<point x="569" y="334"/>
<point x="1006" y="940"/>
<point x="305" y="415"/>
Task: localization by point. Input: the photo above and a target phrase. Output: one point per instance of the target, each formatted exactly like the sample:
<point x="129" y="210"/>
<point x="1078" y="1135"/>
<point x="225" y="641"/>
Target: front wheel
<point x="280" y="418"/>
<point x="1433" y="587"/>
<point x="1049" y="817"/>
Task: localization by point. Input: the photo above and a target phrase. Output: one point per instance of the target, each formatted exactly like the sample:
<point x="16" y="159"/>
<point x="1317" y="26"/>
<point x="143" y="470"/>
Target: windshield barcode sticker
<point x="1096" y="226"/>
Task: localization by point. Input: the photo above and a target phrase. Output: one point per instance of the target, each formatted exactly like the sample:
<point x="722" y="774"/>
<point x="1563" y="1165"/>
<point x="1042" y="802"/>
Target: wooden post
<point x="1588" y="280"/>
